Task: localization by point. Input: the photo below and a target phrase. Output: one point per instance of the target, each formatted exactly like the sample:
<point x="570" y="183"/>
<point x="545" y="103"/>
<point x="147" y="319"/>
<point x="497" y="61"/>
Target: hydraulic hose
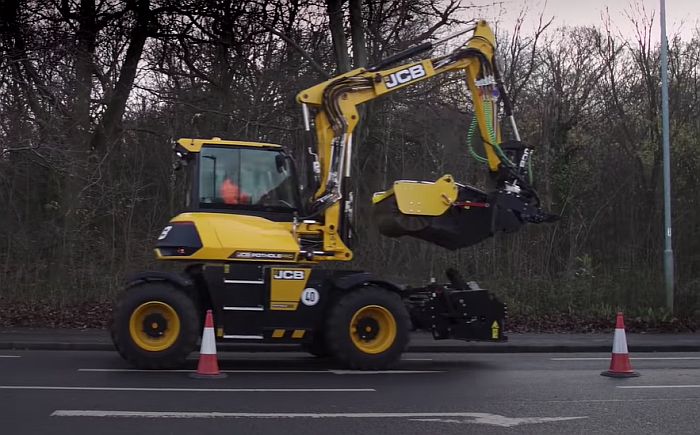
<point x="470" y="138"/>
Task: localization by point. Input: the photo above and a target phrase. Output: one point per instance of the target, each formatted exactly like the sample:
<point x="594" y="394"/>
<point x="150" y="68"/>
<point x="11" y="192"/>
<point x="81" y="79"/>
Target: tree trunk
<point x="109" y="125"/>
<point x="340" y="45"/>
<point x="84" y="66"/>
<point x="357" y="30"/>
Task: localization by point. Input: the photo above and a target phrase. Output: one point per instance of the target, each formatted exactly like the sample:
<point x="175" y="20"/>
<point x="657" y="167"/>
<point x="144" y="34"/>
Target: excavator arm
<point x="443" y="212"/>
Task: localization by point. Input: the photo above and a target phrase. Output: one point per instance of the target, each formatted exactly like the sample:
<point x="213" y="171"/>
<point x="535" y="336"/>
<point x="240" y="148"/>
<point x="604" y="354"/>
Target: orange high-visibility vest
<point x="231" y="193"/>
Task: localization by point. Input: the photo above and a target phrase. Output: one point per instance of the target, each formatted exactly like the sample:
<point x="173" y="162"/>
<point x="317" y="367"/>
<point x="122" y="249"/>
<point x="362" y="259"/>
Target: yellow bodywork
<point x="422" y="198"/>
<point x="195" y="145"/>
<point x="223" y="234"/>
<point x="483" y="41"/>
<point x="337" y="116"/>
<point x="285" y="294"/>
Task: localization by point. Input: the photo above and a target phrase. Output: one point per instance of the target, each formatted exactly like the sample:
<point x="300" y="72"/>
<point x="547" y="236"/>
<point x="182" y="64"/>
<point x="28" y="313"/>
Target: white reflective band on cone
<point x="620" y="342"/>
<point x="208" y="343"/>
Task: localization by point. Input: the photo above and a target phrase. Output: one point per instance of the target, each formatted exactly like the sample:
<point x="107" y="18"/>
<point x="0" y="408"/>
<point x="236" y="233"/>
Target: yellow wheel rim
<point x="154" y="326"/>
<point x="373" y="329"/>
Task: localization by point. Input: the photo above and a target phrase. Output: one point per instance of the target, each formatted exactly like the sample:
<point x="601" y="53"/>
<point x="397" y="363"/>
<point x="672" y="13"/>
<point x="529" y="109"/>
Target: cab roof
<point x="195" y="145"/>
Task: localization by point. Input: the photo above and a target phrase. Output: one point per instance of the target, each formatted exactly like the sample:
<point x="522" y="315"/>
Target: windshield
<point x="249" y="178"/>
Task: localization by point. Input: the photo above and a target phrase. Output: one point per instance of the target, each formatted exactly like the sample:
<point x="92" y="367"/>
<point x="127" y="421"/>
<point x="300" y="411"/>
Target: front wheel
<point x="155" y="326"/>
<point x="368" y="328"/>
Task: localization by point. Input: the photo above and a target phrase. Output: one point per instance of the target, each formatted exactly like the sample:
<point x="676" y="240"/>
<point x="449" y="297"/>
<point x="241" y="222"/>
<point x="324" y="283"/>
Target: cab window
<point x="248" y="178"/>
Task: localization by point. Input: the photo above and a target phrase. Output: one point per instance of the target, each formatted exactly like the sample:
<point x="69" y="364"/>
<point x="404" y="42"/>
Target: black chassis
<point x="456" y="310"/>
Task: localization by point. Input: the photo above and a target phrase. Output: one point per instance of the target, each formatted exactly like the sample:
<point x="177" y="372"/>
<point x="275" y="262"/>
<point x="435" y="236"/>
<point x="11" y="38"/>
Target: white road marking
<point x="656" y="386"/>
<point x="499" y="420"/>
<point x="416" y="359"/>
<point x="192" y="371"/>
<point x="664" y="358"/>
<point x="10" y="356"/>
<point x="447" y="417"/>
<point x="653" y="399"/>
<point x="383" y="372"/>
<point x="334" y="372"/>
<point x="195" y="390"/>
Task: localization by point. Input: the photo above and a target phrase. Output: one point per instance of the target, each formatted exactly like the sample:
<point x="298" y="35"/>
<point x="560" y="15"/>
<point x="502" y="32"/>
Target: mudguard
<point x="348" y="281"/>
<point x="177" y="279"/>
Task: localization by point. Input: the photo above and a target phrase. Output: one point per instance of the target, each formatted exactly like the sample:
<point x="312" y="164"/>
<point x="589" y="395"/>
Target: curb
<point x="19" y="345"/>
<point x="548" y="349"/>
<point x="417" y="348"/>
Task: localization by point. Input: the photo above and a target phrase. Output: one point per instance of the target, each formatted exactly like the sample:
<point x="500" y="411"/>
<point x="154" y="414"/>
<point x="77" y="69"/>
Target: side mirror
<point x="181" y="157"/>
<point x="281" y="163"/>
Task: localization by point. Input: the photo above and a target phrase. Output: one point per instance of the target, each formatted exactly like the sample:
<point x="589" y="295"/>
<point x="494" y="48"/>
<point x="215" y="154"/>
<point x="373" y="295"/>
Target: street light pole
<point x="668" y="250"/>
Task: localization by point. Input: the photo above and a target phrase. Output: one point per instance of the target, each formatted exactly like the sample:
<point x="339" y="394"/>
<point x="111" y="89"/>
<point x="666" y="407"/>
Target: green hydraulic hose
<point x="492" y="139"/>
<point x="470" y="138"/>
<point x="492" y="134"/>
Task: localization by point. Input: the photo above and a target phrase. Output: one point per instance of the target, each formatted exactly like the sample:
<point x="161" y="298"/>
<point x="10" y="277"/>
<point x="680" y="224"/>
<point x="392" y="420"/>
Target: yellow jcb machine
<point x="250" y="242"/>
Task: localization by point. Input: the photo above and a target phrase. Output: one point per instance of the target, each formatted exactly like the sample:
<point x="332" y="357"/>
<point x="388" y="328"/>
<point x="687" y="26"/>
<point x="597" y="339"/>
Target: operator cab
<point x="250" y="178"/>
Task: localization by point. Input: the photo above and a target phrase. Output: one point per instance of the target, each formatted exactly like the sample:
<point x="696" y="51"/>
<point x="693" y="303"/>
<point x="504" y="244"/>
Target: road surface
<point x="73" y="392"/>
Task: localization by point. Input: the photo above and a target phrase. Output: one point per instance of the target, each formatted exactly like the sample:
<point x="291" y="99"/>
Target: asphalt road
<point x="75" y="392"/>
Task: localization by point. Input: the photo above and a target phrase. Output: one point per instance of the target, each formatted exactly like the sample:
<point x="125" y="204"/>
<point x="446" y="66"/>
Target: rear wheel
<point x="368" y="329"/>
<point x="155" y="325"/>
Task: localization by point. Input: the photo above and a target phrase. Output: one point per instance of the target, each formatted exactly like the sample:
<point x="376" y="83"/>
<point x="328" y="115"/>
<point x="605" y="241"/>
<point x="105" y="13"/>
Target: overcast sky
<point x="682" y="16"/>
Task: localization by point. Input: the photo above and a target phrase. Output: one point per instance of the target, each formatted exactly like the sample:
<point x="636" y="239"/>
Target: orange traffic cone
<point x="620" y="366"/>
<point x="208" y="367"/>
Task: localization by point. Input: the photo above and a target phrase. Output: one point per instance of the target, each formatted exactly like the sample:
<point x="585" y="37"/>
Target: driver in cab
<point x="232" y="194"/>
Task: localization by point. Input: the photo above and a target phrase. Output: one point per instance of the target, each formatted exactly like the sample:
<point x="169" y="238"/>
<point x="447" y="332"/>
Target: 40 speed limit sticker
<point x="310" y="296"/>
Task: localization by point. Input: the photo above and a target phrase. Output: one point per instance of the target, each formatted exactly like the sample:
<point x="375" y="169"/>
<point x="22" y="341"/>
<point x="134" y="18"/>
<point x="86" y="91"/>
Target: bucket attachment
<point x="448" y="214"/>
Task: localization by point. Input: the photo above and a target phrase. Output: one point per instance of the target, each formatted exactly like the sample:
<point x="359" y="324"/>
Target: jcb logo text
<point x="289" y="274"/>
<point x="404" y="76"/>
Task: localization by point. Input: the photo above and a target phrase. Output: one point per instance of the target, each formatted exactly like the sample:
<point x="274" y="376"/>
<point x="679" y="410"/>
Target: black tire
<point x="343" y="344"/>
<point x="177" y="346"/>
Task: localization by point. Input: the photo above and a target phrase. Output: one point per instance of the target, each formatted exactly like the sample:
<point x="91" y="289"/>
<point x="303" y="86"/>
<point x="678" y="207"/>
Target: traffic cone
<point x="208" y="366"/>
<point x="620" y="366"/>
